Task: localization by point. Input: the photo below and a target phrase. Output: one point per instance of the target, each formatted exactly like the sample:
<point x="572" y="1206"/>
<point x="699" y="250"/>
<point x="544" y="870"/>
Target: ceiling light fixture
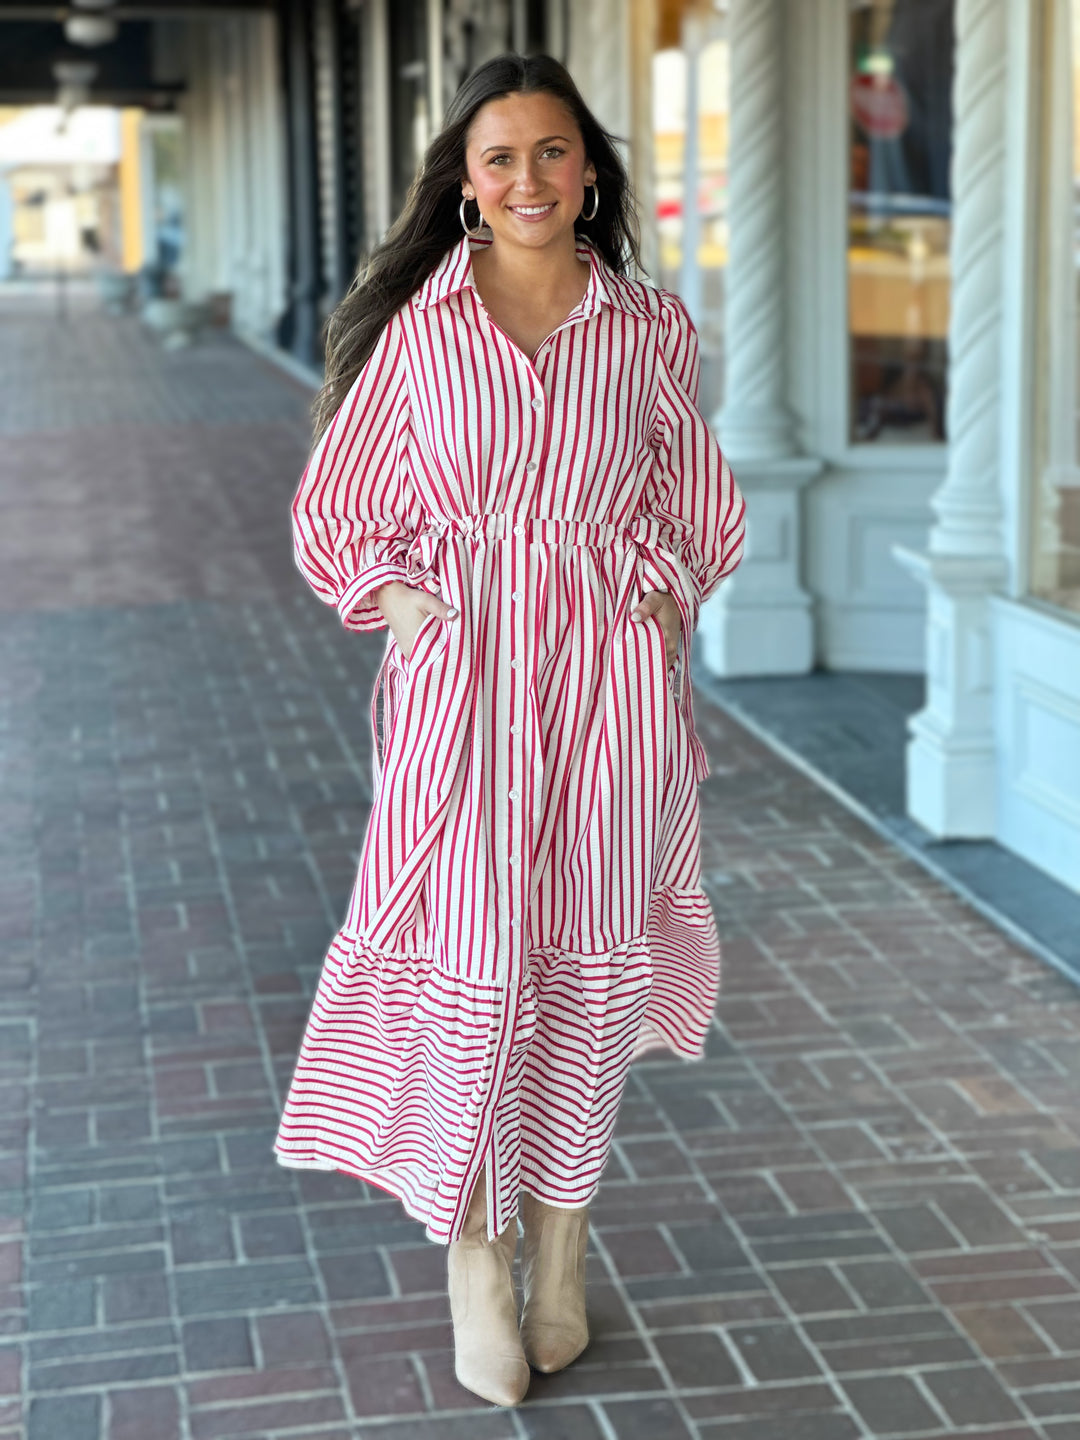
<point x="89" y="30"/>
<point x="73" y="79"/>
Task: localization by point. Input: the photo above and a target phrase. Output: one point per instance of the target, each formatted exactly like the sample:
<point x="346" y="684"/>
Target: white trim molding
<point x="952" y="750"/>
<point x="1037" y="664"/>
<point x="760" y="622"/>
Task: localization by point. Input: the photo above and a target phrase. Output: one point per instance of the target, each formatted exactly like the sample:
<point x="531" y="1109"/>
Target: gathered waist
<point x="426" y="568"/>
<point x="537" y="530"/>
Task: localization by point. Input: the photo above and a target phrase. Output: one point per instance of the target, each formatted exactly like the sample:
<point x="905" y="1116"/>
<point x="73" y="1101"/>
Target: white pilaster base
<point x="952" y="752"/>
<point x="761" y="621"/>
<point x="951" y="782"/>
<point x="757" y="641"/>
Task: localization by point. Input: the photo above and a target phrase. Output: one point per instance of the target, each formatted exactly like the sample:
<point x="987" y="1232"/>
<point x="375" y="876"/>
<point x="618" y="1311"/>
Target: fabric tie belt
<point x="422" y="556"/>
<point x="498" y="526"/>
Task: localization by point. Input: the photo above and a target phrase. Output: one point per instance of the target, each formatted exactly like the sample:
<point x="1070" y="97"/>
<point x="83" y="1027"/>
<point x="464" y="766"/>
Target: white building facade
<point x="900" y="397"/>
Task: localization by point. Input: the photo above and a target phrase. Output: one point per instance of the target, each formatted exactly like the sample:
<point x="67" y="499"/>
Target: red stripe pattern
<point x="528" y="915"/>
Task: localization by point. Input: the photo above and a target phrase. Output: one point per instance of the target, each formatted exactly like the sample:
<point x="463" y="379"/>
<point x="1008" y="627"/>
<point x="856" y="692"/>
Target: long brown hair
<point x="430" y="224"/>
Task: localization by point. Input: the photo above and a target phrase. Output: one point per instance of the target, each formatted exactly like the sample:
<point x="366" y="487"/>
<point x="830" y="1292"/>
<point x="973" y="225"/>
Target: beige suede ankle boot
<point x="554" y="1330"/>
<point x="488" y="1358"/>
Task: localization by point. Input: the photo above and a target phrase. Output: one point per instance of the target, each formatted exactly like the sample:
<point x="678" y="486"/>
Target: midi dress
<point x="528" y="916"/>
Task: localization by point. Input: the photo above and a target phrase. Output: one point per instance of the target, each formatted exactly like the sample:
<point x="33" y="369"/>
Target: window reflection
<point x="690" y="87"/>
<point x="899" y="218"/>
<point x="1055" y="573"/>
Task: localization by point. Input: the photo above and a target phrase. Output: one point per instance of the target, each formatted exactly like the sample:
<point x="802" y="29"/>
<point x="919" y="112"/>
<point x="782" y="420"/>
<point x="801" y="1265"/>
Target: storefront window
<point x="410" y="120"/>
<point x="1055" y="530"/>
<point x="899" y="218"/>
<point x="690" y="149"/>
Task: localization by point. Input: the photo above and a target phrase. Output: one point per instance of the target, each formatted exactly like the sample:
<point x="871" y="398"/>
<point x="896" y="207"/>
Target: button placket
<point x="539" y="431"/>
<point x="516" y="559"/>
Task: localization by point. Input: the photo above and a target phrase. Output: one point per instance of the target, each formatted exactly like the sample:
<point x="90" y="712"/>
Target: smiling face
<point x="527" y="169"/>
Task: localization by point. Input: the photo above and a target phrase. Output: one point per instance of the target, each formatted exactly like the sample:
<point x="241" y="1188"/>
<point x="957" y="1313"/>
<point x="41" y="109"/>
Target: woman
<point x="513" y="476"/>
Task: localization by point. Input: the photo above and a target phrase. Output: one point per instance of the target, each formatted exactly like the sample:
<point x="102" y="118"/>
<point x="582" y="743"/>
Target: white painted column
<point x="599" y="61"/>
<point x="951" y="763"/>
<point x="218" y="153"/>
<point x="238" y="170"/>
<point x="375" y="101"/>
<point x="760" y="622"/>
<point x="273" y="174"/>
<point x="192" y="262"/>
<point x="258" y="177"/>
<point x="643" y="23"/>
<point x="609" y="46"/>
<point x="690" y="280"/>
<point x="330" y="180"/>
<point x="7" y="225"/>
<point x="1059" y="469"/>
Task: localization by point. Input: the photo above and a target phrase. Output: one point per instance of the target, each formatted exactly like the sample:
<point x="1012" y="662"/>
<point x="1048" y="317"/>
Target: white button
<point x="515" y="664"/>
<point x="517" y="595"/>
<point x="538" y="404"/>
<point x="515" y="729"/>
<point x="519" y="529"/>
<point x="530" y="465"/>
<point x="514" y="924"/>
<point x="513" y="794"/>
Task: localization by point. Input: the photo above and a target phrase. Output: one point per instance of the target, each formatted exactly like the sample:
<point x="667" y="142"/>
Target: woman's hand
<point x="660" y="603"/>
<point x="403" y="607"/>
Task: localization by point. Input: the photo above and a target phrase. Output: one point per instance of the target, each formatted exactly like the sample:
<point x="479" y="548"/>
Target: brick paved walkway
<point x="860" y="1216"/>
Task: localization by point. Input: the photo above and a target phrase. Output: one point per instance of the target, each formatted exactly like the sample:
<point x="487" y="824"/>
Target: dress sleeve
<point x="355" y="513"/>
<point x="690" y="520"/>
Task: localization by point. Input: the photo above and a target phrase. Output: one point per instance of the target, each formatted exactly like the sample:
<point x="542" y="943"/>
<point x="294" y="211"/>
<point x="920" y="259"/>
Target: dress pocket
<point x="430" y="626"/>
<point x="394" y="684"/>
<point x="659" y="643"/>
<point x="675" y="684"/>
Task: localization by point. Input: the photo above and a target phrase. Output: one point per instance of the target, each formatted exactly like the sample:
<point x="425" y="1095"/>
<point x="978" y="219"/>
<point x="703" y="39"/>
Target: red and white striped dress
<point x="528" y="915"/>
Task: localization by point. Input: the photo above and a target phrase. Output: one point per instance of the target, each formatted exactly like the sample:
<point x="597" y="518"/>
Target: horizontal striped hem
<point x="398" y="1067"/>
<point x="652" y="1041"/>
<point x="391" y="1184"/>
<point x="389" y="1181"/>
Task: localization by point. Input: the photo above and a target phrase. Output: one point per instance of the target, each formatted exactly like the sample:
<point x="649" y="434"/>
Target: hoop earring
<point x="472" y="234"/>
<point x="595" y="205"/>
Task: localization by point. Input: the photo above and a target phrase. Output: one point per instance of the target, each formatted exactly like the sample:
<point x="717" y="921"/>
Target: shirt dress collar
<point x="454" y="273"/>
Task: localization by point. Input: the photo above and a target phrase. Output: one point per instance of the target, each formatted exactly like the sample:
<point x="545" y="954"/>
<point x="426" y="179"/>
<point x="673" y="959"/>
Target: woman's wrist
<point x="388" y="590"/>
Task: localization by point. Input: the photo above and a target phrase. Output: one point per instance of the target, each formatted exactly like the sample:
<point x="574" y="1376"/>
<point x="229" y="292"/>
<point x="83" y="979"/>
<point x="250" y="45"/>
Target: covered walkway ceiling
<point x="142" y="66"/>
<point x="143" y="10"/>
